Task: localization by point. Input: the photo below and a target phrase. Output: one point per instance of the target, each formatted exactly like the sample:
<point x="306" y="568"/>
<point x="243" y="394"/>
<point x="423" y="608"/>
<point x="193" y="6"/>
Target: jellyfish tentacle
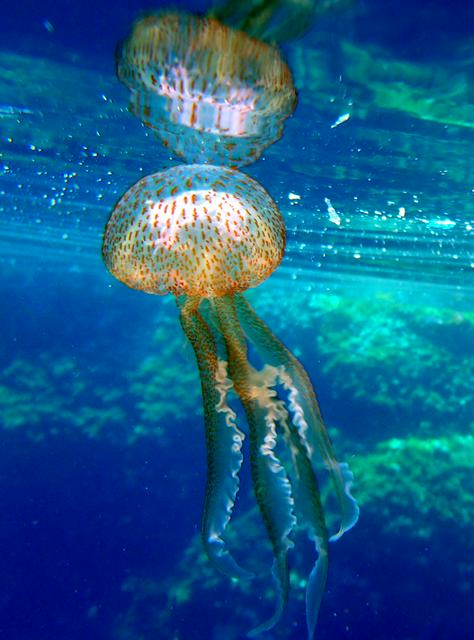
<point x="305" y="489"/>
<point x="303" y="402"/>
<point x="342" y="476"/>
<point x="271" y="485"/>
<point x="273" y="492"/>
<point x="223" y="440"/>
<point x="308" y="498"/>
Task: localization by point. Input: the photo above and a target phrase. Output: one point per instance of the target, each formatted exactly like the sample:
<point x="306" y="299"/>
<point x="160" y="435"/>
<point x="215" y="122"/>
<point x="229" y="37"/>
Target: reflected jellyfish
<point x="212" y="94"/>
<point x="206" y="234"/>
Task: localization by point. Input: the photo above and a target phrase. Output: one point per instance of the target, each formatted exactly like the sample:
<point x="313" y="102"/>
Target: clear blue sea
<point x="102" y="445"/>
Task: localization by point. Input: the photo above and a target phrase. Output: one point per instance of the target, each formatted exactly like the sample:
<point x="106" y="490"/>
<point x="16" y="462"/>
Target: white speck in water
<point x="446" y="223"/>
<point x="333" y="215"/>
<point x="293" y="196"/>
<point x="344" y="118"/>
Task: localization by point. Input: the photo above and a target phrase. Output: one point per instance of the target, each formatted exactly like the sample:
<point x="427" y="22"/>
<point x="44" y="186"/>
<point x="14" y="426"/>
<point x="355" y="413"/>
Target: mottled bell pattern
<point x="194" y="229"/>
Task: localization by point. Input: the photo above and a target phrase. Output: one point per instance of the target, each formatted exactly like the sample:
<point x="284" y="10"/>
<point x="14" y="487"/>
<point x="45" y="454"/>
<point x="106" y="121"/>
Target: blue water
<point x="102" y="452"/>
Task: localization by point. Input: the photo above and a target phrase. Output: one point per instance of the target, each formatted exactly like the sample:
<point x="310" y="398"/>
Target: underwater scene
<point x="237" y="320"/>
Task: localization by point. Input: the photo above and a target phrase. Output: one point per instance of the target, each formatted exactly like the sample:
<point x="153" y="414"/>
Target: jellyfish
<point x="212" y="94"/>
<point x="206" y="234"/>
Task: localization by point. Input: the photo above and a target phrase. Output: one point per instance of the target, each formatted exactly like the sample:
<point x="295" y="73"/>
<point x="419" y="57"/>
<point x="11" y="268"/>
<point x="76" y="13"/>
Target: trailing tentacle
<point x="223" y="439"/>
<point x="303" y="403"/>
<point x="305" y="490"/>
<point x="271" y="484"/>
<point x="273" y="491"/>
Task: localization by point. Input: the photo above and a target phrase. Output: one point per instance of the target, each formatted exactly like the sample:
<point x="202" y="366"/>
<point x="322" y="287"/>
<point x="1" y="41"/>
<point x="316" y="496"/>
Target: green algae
<point x="52" y="396"/>
<point x="400" y="359"/>
<point x="143" y="397"/>
<point x="419" y="487"/>
<point x="164" y="385"/>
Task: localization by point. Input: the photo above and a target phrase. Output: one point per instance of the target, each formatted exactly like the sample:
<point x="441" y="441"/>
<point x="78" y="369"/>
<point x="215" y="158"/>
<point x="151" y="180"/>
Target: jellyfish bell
<point x="212" y="94"/>
<point x="197" y="230"/>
